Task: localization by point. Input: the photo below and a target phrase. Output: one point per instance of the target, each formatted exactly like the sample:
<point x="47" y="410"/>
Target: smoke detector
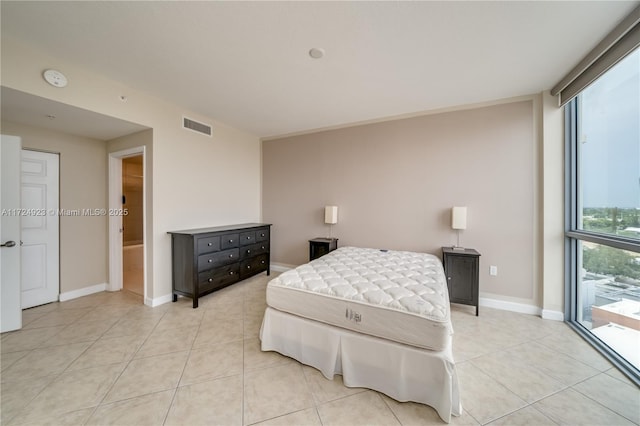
<point x="55" y="78"/>
<point x="316" y="53"/>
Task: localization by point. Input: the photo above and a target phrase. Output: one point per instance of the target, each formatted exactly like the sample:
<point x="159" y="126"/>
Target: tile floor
<point x="108" y="359"/>
<point x="133" y="268"/>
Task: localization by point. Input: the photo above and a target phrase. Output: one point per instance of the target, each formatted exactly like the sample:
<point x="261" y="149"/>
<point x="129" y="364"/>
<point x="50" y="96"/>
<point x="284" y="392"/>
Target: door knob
<point x="8" y="244"/>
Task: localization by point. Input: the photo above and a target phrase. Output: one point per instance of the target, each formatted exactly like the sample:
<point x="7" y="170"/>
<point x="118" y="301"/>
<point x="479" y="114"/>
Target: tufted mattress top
<point x="396" y="295"/>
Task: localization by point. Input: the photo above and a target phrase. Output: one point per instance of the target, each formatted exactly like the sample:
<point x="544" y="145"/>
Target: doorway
<point x="127" y="223"/>
<point x="132" y="225"/>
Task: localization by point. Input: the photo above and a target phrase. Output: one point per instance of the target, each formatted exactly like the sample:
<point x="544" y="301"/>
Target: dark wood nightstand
<point x="321" y="246"/>
<point x="462" y="269"/>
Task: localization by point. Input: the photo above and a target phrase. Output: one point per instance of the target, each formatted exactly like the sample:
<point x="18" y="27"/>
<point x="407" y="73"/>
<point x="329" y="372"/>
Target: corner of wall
<point x="552" y="205"/>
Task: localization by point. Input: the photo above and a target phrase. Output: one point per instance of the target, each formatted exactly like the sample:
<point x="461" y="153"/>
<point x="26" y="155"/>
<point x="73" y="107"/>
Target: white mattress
<point x="396" y="295"/>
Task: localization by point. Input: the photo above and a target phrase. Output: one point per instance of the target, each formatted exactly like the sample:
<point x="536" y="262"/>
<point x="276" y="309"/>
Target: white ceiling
<point x="247" y="63"/>
<point x="20" y="107"/>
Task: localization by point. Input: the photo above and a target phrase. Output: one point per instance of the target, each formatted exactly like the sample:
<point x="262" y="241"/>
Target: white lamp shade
<point x="459" y="217"/>
<point x="331" y="214"/>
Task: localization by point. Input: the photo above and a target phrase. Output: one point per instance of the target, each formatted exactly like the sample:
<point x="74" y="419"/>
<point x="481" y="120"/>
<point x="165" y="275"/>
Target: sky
<point x="609" y="113"/>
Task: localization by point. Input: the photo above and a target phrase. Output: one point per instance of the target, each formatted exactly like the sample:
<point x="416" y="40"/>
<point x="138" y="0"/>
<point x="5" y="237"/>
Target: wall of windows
<point x="603" y="213"/>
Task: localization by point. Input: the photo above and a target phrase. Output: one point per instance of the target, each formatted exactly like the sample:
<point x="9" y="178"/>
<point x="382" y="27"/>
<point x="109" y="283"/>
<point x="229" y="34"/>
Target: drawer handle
<point x="262" y="235"/>
<point x="210" y="244"/>
<point x="248" y="251"/>
<point x="230" y="241"/>
<point x="230" y="256"/>
<point x="231" y="273"/>
<point x="248" y="266"/>
<point x="210" y="260"/>
<point x="248" y="238"/>
<point x="262" y="247"/>
<point x="263" y="262"/>
<point x="449" y="278"/>
<point x="210" y="280"/>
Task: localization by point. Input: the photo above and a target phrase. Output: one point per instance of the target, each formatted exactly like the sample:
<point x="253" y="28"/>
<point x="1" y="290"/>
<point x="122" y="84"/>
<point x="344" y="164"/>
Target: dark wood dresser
<point x="208" y="259"/>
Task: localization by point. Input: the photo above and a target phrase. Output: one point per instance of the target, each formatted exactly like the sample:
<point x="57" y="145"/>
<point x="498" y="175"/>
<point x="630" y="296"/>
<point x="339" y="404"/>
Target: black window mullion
<point x="572" y="201"/>
<point x="606" y="240"/>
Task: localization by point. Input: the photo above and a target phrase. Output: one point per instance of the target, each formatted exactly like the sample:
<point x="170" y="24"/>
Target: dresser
<point x="208" y="259"/>
<point x="461" y="267"/>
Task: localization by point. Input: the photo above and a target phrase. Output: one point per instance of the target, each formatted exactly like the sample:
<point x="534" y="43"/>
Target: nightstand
<point x="321" y="246"/>
<point x="462" y="269"/>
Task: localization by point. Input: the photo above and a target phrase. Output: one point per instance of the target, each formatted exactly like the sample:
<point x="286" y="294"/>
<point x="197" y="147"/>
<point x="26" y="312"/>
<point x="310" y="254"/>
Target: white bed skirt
<point x="402" y="372"/>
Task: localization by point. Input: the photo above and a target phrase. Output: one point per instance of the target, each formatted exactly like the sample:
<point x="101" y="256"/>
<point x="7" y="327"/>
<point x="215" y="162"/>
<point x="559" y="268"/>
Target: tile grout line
<point x="244" y="302"/>
<point x="184" y="367"/>
<point x="95" y="408"/>
<point x="128" y="363"/>
<point x="66" y="368"/>
<point x="527" y="404"/>
<point x="173" y="398"/>
<point x="59" y="374"/>
<point x="504" y="386"/>
<point x="313" y="397"/>
<point x="33" y="398"/>
<point x="595" y="400"/>
<point x="90" y="346"/>
<point x="393" y="413"/>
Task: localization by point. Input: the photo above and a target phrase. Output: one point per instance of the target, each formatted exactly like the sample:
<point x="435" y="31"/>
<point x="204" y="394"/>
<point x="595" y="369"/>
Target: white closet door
<point x="40" y="228"/>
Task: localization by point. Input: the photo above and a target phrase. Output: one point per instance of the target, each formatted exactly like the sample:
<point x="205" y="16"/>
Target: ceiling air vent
<point x="195" y="126"/>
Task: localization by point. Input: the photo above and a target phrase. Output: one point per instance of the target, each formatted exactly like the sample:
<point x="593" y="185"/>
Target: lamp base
<point x="458" y="248"/>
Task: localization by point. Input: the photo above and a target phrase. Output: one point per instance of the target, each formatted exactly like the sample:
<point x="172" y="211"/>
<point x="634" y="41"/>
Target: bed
<point x="380" y="318"/>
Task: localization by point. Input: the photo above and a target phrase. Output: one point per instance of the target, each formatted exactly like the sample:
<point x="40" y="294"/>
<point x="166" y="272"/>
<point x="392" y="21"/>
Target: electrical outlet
<point x="493" y="270"/>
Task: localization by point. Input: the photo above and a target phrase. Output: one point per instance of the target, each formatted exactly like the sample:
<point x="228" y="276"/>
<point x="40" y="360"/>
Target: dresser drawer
<point x="212" y="260"/>
<point x="253" y="250"/>
<point x="208" y="244"/>
<point x="219" y="277"/>
<point x="248" y="237"/>
<point x="228" y="241"/>
<point x="253" y="265"/>
<point x="262" y="234"/>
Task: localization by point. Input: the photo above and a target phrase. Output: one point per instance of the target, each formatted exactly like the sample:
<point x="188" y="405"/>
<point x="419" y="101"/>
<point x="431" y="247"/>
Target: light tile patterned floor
<point x="108" y="359"/>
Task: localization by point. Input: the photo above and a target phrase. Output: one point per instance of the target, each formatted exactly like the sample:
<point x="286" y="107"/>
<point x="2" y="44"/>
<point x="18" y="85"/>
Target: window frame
<point x="574" y="235"/>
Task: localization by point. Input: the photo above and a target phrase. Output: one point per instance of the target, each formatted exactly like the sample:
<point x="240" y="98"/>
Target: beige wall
<point x="395" y="182"/>
<point x="552" y="244"/>
<point x="83" y="185"/>
<point x="197" y="181"/>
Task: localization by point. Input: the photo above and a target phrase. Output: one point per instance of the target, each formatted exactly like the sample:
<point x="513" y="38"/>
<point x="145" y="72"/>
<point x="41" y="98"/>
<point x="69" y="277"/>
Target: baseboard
<point x="158" y="300"/>
<point x="281" y="267"/>
<point x="510" y="306"/>
<point x="552" y="315"/>
<point x="74" y="294"/>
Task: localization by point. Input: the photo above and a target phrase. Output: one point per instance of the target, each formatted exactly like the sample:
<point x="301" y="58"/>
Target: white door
<point x="10" y="309"/>
<point x="40" y="228"/>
